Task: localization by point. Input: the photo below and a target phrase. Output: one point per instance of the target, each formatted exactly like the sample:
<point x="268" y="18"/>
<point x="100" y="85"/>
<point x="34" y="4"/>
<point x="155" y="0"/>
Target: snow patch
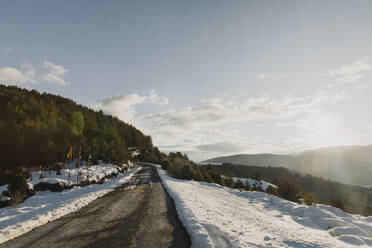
<point x="254" y="183"/>
<point x="93" y="173"/>
<point x="2" y="189"/>
<point x="209" y="163"/>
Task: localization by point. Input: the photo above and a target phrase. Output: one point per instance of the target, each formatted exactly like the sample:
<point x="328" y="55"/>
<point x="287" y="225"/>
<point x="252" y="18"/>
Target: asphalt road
<point x="138" y="214"/>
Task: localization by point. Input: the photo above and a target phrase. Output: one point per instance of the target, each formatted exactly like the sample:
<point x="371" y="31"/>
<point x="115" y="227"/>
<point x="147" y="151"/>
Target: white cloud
<point x="201" y="131"/>
<point x="262" y="76"/>
<point x="55" y="69"/>
<point x="353" y="68"/>
<point x="120" y="106"/>
<point x="321" y="130"/>
<point x="54" y="79"/>
<point x="350" y="78"/>
<point x="271" y="77"/>
<point x="9" y="75"/>
<point x="155" y="99"/>
<point x="222" y="147"/>
<point x="352" y="72"/>
<point x="123" y="106"/>
<point x="52" y="73"/>
<point x="260" y="108"/>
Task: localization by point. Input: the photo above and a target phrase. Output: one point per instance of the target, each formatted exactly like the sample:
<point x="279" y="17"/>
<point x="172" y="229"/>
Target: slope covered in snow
<point x="93" y="173"/>
<point x="217" y="216"/>
<point x="2" y="189"/>
<point x="254" y="183"/>
<point x="47" y="206"/>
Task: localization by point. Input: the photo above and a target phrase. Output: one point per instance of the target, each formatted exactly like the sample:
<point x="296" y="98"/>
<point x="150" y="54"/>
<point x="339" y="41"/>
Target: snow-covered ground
<point x="93" y="173"/>
<point x="209" y="163"/>
<point x="2" y="189"/>
<point x="216" y="216"/>
<point x="254" y="183"/>
<point x="47" y="206"/>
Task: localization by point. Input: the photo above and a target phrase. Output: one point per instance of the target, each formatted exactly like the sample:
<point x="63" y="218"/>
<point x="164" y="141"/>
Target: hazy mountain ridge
<point x="347" y="164"/>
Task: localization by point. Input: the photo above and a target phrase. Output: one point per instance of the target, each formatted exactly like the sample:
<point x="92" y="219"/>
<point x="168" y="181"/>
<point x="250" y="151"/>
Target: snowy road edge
<point x="18" y="229"/>
<point x="199" y="236"/>
<point x="310" y="226"/>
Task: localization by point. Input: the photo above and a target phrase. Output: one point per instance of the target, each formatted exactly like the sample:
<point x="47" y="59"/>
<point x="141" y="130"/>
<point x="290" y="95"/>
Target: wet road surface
<point x="139" y="213"/>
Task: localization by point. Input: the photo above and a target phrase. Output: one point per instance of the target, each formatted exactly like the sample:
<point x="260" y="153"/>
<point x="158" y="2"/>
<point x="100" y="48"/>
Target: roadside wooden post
<point x="69" y="156"/>
<point x="78" y="166"/>
<point x="87" y="165"/>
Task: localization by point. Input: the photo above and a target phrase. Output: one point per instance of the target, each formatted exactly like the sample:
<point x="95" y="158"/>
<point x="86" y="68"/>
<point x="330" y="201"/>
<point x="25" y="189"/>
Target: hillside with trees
<point x="292" y="185"/>
<point x="353" y="199"/>
<point x="347" y="164"/>
<point x="38" y="130"/>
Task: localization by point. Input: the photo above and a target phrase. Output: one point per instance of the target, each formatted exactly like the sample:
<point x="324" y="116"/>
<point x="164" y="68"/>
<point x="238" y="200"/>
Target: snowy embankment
<point x="93" y="174"/>
<point x="216" y="216"/>
<point x="254" y="183"/>
<point x="3" y="197"/>
<point x="46" y="206"/>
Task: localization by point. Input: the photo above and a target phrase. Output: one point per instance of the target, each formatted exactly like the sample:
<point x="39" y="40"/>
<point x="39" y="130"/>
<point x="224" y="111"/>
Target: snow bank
<point x="93" y="173"/>
<point x="254" y="183"/>
<point x="2" y="189"/>
<point x="216" y="216"/>
<point x="209" y="163"/>
<point x="46" y="206"/>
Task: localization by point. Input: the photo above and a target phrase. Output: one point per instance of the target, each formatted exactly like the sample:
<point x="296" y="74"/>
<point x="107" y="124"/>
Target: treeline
<point x="38" y="129"/>
<point x="291" y="185"/>
<point x="352" y="199"/>
<point x="180" y="166"/>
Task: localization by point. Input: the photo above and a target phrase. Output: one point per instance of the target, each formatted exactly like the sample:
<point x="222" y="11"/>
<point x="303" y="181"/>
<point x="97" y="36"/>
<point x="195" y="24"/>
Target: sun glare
<point x="326" y="131"/>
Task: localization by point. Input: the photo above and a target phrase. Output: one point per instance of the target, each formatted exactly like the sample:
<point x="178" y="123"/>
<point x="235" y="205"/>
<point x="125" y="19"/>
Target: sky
<point x="207" y="78"/>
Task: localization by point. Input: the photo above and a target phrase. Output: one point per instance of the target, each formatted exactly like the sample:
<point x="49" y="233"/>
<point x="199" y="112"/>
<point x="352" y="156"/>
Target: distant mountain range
<point x="347" y="164"/>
